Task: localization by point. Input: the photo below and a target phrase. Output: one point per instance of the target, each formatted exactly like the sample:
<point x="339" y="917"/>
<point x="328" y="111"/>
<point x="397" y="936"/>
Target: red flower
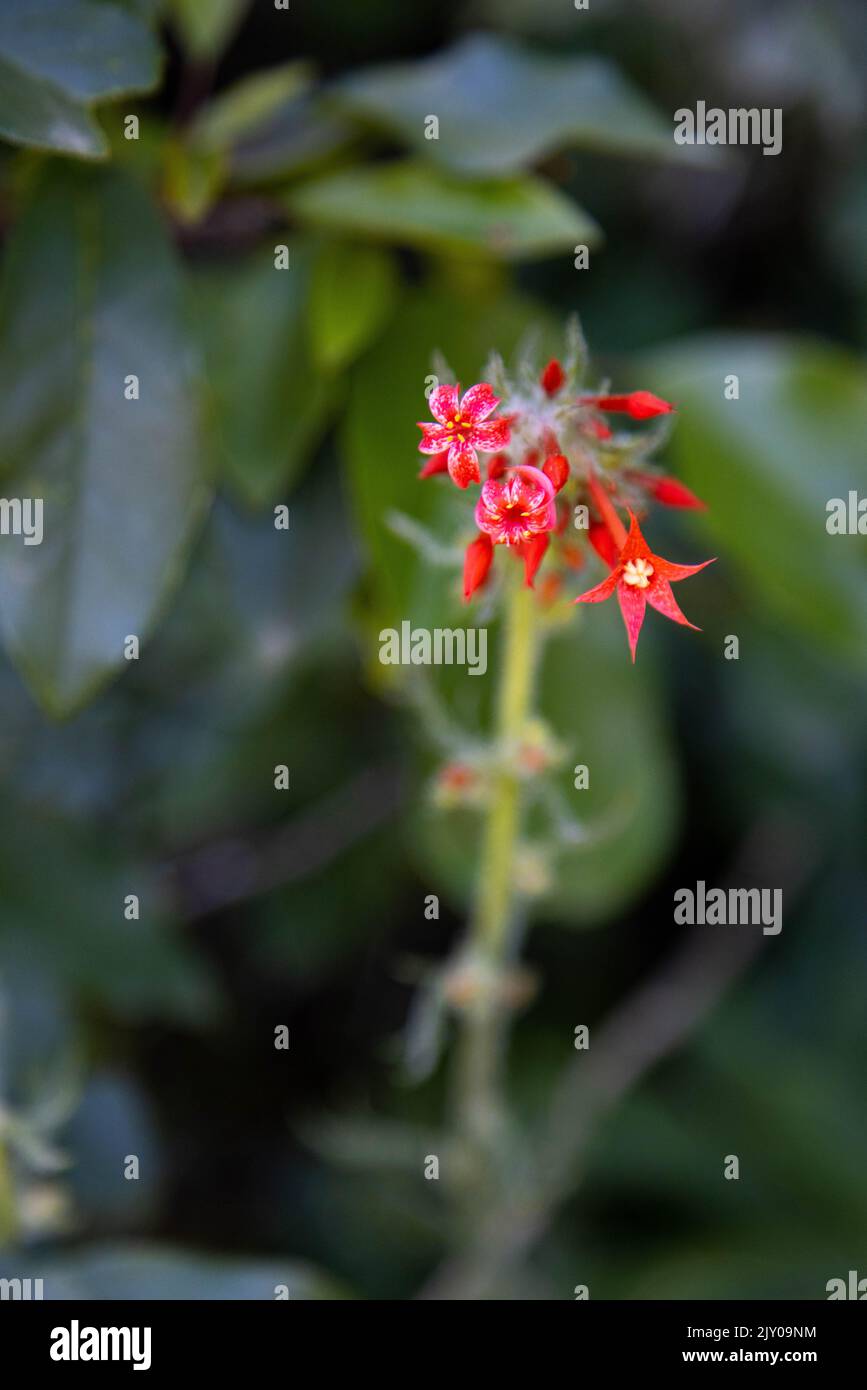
<point x="669" y="491"/>
<point x="514" y="511"/>
<point x="640" y="577"/>
<point x="552" y="378"/>
<point x="477" y="562"/>
<point x="460" y="430"/>
<point x="641" y="405"/>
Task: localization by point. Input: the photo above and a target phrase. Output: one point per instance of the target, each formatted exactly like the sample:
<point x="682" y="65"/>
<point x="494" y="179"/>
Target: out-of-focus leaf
<point x="768" y="463"/>
<point x="295" y="139"/>
<point x="411" y="202"/>
<point x="192" y="180"/>
<point x="70" y="923"/>
<point x="247" y="105"/>
<point x="352" y="294"/>
<point x="111" y="1120"/>
<point x="269" y="402"/>
<point x="501" y="108"/>
<point x="91" y="295"/>
<point x="206" y="26"/>
<point x="35" y="113"/>
<point x="142" y="1273"/>
<point x="56" y="56"/>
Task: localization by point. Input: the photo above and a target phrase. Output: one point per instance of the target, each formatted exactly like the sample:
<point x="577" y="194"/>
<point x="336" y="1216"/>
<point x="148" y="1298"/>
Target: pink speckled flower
<point x="515" y="509"/>
<point x="461" y="427"/>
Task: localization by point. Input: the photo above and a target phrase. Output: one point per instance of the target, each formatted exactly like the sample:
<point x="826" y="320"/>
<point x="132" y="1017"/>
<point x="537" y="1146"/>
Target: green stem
<point x="489" y="943"/>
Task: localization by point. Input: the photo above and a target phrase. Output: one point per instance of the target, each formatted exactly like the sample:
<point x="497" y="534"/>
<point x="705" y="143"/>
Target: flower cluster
<point x="555" y="458"/>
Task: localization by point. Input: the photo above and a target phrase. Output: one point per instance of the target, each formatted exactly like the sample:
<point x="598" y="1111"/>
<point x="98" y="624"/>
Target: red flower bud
<point x="533" y="552"/>
<point x="557" y="469"/>
<point x="552" y="377"/>
<point x="498" y="465"/>
<point x="477" y="562"/>
<point x="438" y="464"/>
<point x="603" y="543"/>
<point x="640" y="405"/>
<point x="671" y="492"/>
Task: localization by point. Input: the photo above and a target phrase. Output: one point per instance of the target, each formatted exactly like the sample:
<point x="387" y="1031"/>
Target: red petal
<point x="443" y="402"/>
<point x="668" y="571"/>
<point x="463" y="464"/>
<point x="601" y="592"/>
<point x="438" y="464"/>
<point x="533" y="552"/>
<point x="434" y="438"/>
<point x="478" y="403"/>
<point x="659" y="596"/>
<point x="491" y="437"/>
<point x="557" y="469"/>
<point x="552" y="377"/>
<point x="632" y="605"/>
<point x="498" y="465"/>
<point x="477" y="562"/>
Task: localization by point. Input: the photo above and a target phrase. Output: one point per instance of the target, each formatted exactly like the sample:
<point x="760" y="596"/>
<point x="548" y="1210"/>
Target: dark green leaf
<point x="58" y="55"/>
<point x="501" y="108"/>
<point x="206" y="26"/>
<point x="768" y="463"/>
<point x="91" y="295"/>
<point x="269" y="403"/>
<point x="413" y="203"/>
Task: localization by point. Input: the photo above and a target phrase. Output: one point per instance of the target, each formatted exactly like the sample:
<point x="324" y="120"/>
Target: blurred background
<point x="153" y="1035"/>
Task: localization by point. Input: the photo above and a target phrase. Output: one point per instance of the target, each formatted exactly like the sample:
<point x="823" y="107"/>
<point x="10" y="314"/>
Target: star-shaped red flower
<point x="459" y="429"/>
<point x="640" y="577"/>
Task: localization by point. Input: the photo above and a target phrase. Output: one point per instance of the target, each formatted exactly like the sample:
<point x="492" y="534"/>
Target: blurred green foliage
<point x="155" y="256"/>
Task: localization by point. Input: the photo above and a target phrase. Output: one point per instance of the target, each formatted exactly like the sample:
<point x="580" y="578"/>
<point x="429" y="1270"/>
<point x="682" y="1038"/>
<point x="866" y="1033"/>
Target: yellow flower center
<point x="637" y="573"/>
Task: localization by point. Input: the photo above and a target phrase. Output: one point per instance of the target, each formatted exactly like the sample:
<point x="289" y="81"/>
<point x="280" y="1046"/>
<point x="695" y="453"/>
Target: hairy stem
<point x="490" y="940"/>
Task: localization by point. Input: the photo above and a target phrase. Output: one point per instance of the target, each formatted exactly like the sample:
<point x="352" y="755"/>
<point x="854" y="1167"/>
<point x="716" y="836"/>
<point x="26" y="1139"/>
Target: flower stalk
<point x="492" y="936"/>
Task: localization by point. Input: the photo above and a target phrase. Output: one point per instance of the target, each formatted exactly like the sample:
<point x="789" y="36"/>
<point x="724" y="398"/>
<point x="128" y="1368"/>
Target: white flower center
<point x="637" y="573"/>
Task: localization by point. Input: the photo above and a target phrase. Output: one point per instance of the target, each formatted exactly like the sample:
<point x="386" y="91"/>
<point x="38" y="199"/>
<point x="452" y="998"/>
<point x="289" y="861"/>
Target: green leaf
<point x="413" y="203"/>
<point x="352" y="294"/>
<point x="247" y="105"/>
<point x="269" y="404"/>
<point x="90" y="295"/>
<point x="501" y="108"/>
<point x="56" y="56"/>
<point x="767" y="465"/>
<point x="192" y="180"/>
<point x="70" y="922"/>
<point x="294" y="139"/>
<point x="206" y="26"/>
